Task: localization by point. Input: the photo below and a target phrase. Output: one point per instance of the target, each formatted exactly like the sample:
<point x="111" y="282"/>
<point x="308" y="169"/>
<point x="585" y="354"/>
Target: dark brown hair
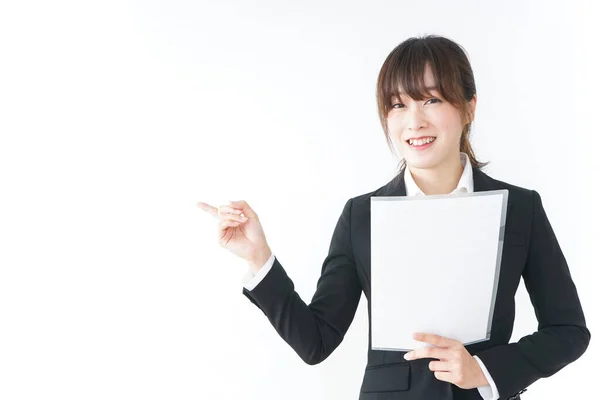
<point x="404" y="68"/>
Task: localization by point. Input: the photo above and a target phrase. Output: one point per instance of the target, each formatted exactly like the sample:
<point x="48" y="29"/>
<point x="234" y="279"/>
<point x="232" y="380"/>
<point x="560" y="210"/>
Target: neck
<point x="441" y="179"/>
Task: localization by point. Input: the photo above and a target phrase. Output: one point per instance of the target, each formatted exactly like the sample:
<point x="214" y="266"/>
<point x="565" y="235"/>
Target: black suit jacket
<point x="530" y="251"/>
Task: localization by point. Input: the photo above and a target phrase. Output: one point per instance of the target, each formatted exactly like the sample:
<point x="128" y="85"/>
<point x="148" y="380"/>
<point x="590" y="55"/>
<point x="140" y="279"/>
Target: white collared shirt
<point x="465" y="185"/>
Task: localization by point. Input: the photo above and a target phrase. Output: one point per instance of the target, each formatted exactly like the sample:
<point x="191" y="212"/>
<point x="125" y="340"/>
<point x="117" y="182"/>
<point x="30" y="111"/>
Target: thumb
<point x="246" y="209"/>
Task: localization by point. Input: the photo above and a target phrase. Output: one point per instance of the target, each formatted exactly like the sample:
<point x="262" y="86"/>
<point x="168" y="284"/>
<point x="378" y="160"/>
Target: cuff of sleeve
<point x="250" y="281"/>
<point x="487" y="392"/>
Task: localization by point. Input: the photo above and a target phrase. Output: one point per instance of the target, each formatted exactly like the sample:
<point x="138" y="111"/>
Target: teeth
<point x="420" y="142"/>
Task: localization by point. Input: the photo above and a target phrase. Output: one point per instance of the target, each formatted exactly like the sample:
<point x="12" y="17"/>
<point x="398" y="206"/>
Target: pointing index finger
<point x="208" y="208"/>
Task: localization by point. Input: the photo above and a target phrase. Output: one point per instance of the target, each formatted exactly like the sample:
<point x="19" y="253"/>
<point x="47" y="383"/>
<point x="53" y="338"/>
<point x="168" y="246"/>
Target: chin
<point x="422" y="162"/>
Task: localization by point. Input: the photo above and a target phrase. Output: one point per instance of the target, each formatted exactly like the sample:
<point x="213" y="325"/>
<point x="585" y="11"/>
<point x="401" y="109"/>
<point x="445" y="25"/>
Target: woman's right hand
<point x="240" y="232"/>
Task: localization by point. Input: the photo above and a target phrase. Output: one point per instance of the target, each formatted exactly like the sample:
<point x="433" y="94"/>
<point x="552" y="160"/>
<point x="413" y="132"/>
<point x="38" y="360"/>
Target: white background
<point x="116" y="117"/>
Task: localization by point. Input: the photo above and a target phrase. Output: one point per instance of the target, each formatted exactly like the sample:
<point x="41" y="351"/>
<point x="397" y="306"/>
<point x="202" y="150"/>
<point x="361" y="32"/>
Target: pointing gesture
<point x="240" y="232"/>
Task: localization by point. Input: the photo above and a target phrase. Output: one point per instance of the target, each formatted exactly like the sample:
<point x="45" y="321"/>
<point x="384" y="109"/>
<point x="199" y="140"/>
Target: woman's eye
<point x="432" y="100"/>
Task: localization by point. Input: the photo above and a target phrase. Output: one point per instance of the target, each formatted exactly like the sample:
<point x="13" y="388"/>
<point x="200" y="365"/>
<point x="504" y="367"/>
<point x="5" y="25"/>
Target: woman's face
<point x="426" y="132"/>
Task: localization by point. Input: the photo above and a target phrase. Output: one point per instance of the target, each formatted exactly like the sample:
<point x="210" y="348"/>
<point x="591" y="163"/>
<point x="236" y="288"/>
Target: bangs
<point x="408" y="78"/>
<point x="404" y="73"/>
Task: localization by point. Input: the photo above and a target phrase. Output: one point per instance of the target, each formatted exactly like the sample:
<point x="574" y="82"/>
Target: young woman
<point x="427" y="99"/>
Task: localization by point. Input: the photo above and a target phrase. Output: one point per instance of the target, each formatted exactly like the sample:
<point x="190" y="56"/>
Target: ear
<point x="471" y="106"/>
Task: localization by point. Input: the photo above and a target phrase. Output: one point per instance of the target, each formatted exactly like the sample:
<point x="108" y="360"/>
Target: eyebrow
<point x="428" y="88"/>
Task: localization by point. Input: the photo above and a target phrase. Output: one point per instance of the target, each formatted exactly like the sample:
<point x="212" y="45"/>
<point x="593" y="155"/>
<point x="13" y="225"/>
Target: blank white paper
<point x="435" y="262"/>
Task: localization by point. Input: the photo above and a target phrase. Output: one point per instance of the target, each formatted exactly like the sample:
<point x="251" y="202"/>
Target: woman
<point x="426" y="99"/>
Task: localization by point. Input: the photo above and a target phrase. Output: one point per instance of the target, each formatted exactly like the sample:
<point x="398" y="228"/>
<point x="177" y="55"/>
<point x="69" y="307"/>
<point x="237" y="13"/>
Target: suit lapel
<point x="483" y="183"/>
<point x="396" y="186"/>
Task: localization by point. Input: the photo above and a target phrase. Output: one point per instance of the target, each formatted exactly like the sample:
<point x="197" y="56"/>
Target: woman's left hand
<point x="456" y="365"/>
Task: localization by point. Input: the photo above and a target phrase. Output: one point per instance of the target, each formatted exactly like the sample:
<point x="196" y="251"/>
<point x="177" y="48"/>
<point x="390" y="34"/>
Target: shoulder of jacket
<point x="517" y="193"/>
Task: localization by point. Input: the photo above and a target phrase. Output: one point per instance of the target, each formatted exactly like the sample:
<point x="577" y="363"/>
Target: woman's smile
<point x="421" y="143"/>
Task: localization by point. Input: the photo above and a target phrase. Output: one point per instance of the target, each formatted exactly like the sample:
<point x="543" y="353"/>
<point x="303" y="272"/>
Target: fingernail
<point x="408" y="356"/>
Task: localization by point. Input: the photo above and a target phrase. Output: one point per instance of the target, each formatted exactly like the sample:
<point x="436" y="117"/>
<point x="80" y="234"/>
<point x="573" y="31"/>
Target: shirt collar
<point x="465" y="183"/>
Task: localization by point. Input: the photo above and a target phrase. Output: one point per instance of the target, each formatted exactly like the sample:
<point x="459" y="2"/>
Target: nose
<point x="415" y="119"/>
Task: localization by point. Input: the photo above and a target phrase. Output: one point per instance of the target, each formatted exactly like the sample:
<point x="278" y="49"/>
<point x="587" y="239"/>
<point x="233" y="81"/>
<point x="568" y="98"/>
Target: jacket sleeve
<point x="562" y="335"/>
<point x="315" y="330"/>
